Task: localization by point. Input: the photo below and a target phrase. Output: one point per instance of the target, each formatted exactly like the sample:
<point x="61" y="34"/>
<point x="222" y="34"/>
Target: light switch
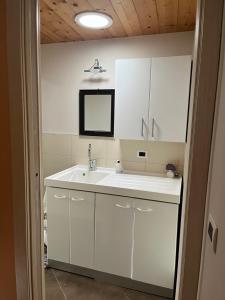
<point x="212" y="233"/>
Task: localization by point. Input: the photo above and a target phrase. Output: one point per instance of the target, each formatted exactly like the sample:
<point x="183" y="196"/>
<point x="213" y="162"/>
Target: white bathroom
<point x="115" y="113"/>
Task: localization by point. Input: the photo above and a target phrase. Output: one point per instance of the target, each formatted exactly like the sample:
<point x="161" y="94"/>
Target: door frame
<point x="23" y="35"/>
<point x="206" y="56"/>
<point x="24" y="101"/>
<point x="213" y="148"/>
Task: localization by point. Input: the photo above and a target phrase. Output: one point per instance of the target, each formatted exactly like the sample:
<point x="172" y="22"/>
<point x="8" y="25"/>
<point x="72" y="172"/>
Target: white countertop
<point x="106" y="181"/>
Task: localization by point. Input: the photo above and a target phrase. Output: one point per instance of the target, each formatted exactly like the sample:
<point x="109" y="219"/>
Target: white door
<point x="132" y="84"/>
<point x="58" y="224"/>
<point x="155" y="235"/>
<point x="82" y="228"/>
<point x="169" y="98"/>
<point x="113" y="238"/>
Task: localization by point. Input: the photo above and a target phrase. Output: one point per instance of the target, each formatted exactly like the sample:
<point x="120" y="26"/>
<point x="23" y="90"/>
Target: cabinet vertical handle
<point x="142" y="127"/>
<point x="153" y="128"/>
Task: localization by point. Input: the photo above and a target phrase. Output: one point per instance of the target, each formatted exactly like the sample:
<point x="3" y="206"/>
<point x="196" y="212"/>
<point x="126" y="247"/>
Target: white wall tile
<point x="129" y="150"/>
<point x="134" y="166"/>
<point x="63" y="151"/>
<point x="59" y="144"/>
<point x="80" y="147"/>
<point x="155" y="168"/>
<point x="113" y="149"/>
<point x="54" y="163"/>
<point x="162" y="152"/>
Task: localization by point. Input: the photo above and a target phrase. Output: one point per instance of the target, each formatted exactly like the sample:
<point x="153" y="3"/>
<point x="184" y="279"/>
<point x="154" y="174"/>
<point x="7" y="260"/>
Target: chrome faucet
<point x="92" y="163"/>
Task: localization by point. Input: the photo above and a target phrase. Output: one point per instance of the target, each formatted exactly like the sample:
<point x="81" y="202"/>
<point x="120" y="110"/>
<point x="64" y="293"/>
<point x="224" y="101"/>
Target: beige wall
<point x="61" y="151"/>
<point x="62" y="76"/>
<point x="63" y="64"/>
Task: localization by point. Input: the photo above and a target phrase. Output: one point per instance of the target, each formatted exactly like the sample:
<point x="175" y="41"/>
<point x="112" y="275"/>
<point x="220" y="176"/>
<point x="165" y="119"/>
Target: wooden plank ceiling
<point x="130" y="18"/>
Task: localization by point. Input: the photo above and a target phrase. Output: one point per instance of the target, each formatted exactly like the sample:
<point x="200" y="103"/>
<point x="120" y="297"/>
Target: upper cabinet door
<point x="169" y="98"/>
<point x="132" y="98"/>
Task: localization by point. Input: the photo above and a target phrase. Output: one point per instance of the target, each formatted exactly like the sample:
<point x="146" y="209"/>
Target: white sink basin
<point x="80" y="175"/>
<point x="106" y="181"/>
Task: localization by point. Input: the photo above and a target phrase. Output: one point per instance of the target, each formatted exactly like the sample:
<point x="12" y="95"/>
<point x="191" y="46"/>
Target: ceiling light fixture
<point x="93" y="20"/>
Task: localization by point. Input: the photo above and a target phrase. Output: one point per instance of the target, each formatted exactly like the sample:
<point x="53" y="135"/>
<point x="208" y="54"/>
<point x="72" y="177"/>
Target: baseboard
<point x="112" y="279"/>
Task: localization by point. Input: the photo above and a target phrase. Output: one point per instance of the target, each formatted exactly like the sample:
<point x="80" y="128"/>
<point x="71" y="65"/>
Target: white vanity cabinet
<point x="123" y="236"/>
<point x="70" y="216"/>
<point x="169" y="98"/>
<point x="82" y="205"/>
<point x="152" y="98"/>
<point x="113" y="239"/>
<point x="155" y="238"/>
<point x="124" y="227"/>
<point x="58" y="224"/>
<point x="136" y="238"/>
<point x="132" y="85"/>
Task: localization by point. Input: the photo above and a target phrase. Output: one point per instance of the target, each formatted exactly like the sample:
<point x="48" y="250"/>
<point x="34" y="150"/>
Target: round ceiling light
<point x="94" y="20"/>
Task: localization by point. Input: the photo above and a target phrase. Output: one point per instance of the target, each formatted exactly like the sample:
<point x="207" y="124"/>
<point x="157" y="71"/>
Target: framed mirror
<point x="96" y="112"/>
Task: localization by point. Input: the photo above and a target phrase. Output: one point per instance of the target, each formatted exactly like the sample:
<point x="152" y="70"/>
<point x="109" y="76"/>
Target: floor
<point x="65" y="286"/>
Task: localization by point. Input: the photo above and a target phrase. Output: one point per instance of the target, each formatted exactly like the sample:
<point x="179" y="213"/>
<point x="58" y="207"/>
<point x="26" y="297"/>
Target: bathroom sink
<point x="106" y="181"/>
<point x="80" y="175"/>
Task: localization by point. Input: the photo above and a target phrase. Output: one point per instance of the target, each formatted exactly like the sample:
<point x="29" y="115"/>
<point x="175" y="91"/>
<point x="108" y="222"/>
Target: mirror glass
<point x="97" y="112"/>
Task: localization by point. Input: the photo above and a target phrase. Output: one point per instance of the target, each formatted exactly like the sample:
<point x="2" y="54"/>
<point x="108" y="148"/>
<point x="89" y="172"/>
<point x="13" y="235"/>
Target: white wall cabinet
<point x="132" y="85"/>
<point x="155" y="235"/>
<point x="82" y="228"/>
<point x="58" y="224"/>
<point x="113" y="240"/>
<point x="152" y="97"/>
<point x="169" y="98"/>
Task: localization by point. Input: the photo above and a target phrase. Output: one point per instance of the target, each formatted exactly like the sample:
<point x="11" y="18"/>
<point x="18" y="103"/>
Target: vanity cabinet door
<point x="132" y="86"/>
<point x="82" y="206"/>
<point x="155" y="236"/>
<point x="58" y="224"/>
<point x="169" y="98"/>
<point x="113" y="239"/>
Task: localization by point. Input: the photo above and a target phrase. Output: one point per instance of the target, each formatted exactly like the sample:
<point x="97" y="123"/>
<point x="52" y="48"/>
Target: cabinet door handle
<point x="58" y="196"/>
<point x="77" y="199"/>
<point x="121" y="206"/>
<point x="153" y="128"/>
<point x="142" y="126"/>
<point x="144" y="210"/>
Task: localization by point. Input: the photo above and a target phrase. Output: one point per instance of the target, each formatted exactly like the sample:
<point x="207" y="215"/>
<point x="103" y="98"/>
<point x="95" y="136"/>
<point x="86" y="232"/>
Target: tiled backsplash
<point x="61" y="151"/>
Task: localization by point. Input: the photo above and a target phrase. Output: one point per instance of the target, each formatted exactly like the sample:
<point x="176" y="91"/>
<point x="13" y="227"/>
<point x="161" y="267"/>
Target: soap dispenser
<point x="118" y="167"/>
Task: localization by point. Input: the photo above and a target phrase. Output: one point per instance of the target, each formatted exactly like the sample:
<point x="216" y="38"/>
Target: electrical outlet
<point x="142" y="154"/>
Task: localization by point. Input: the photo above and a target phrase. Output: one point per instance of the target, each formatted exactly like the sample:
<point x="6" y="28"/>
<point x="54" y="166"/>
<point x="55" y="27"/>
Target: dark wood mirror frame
<point x="82" y="95"/>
